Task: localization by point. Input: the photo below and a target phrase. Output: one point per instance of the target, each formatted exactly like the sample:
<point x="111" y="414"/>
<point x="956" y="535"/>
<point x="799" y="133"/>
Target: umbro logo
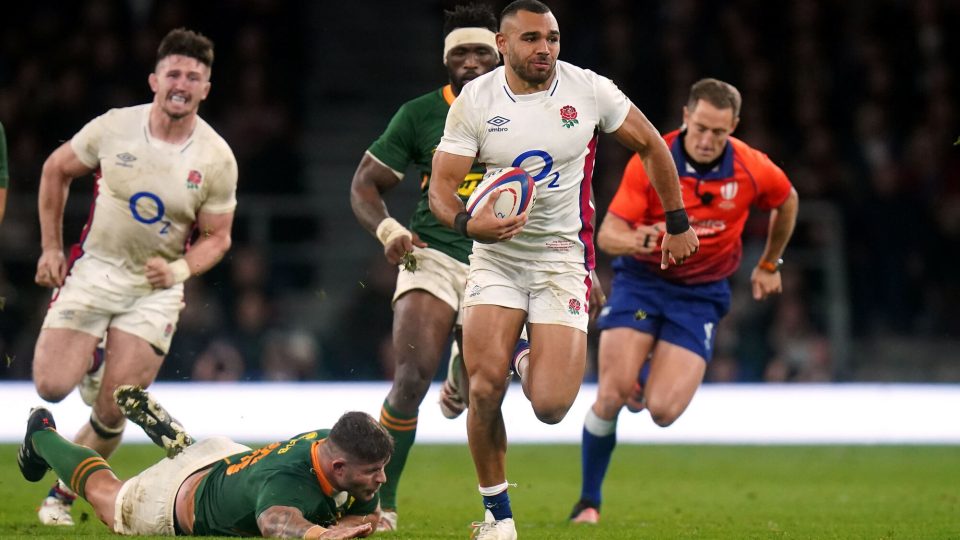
<point x="125" y="158"/>
<point x="497" y="122"/>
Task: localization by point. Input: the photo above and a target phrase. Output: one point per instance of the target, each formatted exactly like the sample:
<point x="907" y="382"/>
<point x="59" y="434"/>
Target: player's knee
<point x="551" y="413"/>
<point x="663" y="413"/>
<point x="486" y="393"/>
<point x="51" y="390"/>
<point x="410" y="386"/>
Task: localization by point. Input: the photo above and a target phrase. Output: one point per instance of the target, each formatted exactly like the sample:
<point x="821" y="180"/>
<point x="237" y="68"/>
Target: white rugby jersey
<point x="553" y="136"/>
<point x="149" y="192"/>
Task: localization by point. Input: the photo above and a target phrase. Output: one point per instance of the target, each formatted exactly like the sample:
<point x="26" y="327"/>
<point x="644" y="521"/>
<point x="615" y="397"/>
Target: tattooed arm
<point x="288" y="522"/>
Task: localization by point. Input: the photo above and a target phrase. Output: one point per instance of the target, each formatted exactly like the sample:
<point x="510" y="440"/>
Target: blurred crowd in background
<point x="855" y="100"/>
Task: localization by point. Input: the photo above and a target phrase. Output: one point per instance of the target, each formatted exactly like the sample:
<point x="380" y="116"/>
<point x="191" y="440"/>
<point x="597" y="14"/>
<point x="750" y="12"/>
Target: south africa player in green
<point x="320" y="484"/>
<point x="434" y="258"/>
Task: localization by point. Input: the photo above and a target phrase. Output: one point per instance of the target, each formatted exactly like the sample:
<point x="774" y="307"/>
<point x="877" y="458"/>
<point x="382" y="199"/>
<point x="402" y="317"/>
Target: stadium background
<point x="855" y="100"/>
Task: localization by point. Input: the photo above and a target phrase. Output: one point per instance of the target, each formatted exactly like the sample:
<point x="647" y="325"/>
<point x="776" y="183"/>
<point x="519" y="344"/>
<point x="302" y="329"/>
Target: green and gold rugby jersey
<point x="286" y="473"/>
<point x="411" y="138"/>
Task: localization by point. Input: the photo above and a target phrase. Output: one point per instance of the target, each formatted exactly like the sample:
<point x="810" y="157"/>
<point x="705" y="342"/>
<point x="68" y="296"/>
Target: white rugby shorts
<point x="90" y="302"/>
<point x="436" y="273"/>
<point x="551" y="292"/>
<point x="145" y="503"/>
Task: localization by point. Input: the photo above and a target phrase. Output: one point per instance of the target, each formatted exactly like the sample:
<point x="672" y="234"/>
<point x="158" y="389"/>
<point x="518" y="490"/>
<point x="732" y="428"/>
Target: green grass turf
<point x="711" y="492"/>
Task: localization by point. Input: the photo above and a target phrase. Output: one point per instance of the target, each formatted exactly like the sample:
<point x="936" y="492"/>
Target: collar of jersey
<point x="325" y="484"/>
<point x="447" y="93"/>
<point x="164" y="145"/>
<point x="536" y="96"/>
<point x="722" y="171"/>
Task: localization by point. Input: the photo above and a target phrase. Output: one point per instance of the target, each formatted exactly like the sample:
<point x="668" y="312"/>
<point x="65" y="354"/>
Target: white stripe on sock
<point x="598" y="426"/>
<point x="494" y="490"/>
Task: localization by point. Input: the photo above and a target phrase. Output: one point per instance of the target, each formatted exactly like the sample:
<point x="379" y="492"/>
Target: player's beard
<point x="527" y="72"/>
<point x="459" y="82"/>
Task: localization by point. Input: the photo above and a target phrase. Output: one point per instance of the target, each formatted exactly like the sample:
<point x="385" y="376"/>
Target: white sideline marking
<point x="719" y="414"/>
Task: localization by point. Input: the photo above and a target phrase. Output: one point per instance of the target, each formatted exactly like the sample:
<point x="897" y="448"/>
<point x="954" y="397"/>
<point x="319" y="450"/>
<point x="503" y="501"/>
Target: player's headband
<point x="462" y="36"/>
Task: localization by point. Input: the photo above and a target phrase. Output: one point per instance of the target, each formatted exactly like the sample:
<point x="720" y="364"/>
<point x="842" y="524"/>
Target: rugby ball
<point x="517" y="190"/>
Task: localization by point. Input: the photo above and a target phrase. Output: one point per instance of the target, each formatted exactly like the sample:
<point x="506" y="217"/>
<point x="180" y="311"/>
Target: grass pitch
<point x="711" y="492"/>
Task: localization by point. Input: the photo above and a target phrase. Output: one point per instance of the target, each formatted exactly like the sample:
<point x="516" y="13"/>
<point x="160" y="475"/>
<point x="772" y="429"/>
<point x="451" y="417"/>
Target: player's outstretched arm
<point x="288" y="522"/>
<point x="59" y="170"/>
<point x="371" y="180"/>
<point x="638" y="134"/>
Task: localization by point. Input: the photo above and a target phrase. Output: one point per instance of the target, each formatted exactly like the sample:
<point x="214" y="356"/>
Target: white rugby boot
<point x="388" y="520"/>
<point x="55" y="511"/>
<point x="493" y="529"/>
<point x="453" y="393"/>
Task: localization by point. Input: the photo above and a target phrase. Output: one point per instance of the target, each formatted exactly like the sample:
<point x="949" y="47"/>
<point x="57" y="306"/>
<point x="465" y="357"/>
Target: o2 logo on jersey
<point x="147" y="208"/>
<point x="545" y="172"/>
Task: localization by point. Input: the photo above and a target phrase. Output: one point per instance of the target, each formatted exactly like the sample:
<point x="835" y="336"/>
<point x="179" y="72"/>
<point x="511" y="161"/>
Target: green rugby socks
<point x="73" y="463"/>
<point x="403" y="429"/>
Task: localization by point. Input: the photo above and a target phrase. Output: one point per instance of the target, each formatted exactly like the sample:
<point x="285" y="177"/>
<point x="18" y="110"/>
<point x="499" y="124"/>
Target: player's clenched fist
<point x="51" y="268"/>
<point x="395" y="250"/>
<point x="645" y="239"/>
<point x="159" y="273"/>
<point x="678" y="248"/>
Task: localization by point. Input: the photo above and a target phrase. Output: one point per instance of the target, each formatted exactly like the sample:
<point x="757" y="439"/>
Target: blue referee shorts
<point x="685" y="315"/>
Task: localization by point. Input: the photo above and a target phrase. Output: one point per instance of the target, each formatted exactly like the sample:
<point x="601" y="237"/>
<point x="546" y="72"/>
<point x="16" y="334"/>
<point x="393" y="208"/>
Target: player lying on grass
<point x="320" y="484"/>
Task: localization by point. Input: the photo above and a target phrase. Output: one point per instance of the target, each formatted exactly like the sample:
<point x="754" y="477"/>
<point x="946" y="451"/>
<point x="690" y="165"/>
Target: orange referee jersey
<point x="717" y="202"/>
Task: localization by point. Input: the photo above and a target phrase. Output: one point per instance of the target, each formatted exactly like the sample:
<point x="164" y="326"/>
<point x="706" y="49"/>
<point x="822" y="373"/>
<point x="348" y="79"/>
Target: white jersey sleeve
<point x="222" y="190"/>
<point x="612" y="104"/>
<point x="86" y="143"/>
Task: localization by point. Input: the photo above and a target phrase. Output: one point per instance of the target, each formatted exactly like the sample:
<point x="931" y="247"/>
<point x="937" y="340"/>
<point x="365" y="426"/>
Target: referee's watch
<point x="772" y="267"/>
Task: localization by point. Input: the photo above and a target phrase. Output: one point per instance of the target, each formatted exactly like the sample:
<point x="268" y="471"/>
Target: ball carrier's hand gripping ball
<point x="517" y="190"/>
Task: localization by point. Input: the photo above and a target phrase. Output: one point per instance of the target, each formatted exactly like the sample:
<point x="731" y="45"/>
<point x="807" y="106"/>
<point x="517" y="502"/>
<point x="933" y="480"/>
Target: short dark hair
<point x="186" y="43"/>
<point x="533" y="6"/>
<point x="720" y="94"/>
<point x="358" y="435"/>
<point x="469" y="16"/>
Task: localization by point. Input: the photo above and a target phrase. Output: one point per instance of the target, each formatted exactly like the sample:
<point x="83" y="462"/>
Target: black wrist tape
<point x="677" y="222"/>
<point x="460" y="223"/>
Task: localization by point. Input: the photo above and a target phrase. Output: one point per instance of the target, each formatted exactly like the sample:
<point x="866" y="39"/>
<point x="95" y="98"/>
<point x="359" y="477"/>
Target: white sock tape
<point x="598" y="426"/>
<point x="494" y="490"/>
